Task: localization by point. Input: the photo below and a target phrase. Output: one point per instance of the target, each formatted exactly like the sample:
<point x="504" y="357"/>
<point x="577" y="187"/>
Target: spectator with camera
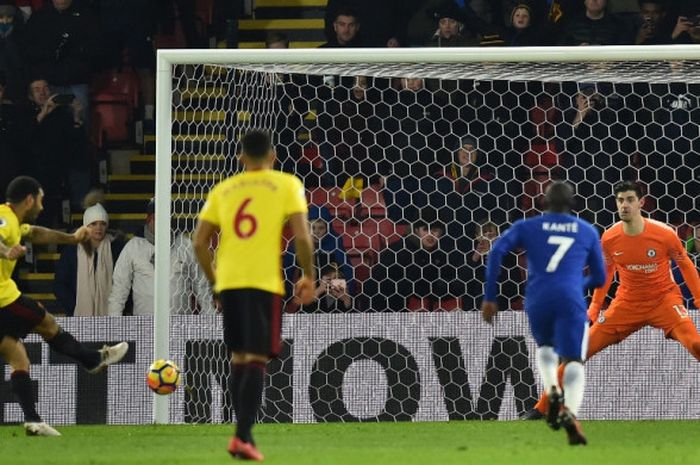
<point x="62" y="43"/>
<point x="332" y="295"/>
<point x="652" y="29"/>
<point x="687" y="28"/>
<point x="57" y="147"/>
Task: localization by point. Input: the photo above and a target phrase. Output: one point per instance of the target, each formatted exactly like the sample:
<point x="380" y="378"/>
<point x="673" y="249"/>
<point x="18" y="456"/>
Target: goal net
<point x="412" y="168"/>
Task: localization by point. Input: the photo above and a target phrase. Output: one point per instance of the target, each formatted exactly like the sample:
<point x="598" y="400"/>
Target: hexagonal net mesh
<point x="411" y="172"/>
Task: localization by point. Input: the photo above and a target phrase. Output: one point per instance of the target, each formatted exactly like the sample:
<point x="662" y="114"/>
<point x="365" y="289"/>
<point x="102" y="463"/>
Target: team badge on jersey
<point x="651" y="253"/>
<point x="3" y="222"/>
<point x="601" y="319"/>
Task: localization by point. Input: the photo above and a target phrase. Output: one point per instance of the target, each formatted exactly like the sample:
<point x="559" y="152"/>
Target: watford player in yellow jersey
<point x="20" y="315"/>
<point x="249" y="210"/>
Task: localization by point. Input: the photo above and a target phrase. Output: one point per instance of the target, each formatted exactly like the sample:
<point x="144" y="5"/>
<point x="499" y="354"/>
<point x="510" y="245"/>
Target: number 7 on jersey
<point x="563" y="244"/>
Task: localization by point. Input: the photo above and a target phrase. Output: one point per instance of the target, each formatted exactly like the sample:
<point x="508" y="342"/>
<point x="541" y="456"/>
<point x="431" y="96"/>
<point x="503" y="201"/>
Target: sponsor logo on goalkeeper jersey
<point x="645" y="267"/>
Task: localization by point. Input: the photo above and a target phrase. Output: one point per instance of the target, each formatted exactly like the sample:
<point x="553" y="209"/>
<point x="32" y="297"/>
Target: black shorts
<point x="20" y="317"/>
<point x="252" y="321"/>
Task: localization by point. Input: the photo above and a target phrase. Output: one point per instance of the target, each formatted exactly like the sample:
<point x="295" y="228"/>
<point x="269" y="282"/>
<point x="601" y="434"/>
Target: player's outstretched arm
<point x="201" y="240"/>
<point x="600" y="293"/>
<point x="304" y="288"/>
<point x="687" y="267"/>
<point x="42" y="235"/>
<point x="597" y="274"/>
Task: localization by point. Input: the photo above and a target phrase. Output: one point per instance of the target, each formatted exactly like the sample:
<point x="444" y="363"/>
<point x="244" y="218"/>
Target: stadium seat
<point x="114" y="99"/>
<point x="372" y="203"/>
<point x="542" y="153"/>
<point x="115" y="85"/>
<point x="115" y="120"/>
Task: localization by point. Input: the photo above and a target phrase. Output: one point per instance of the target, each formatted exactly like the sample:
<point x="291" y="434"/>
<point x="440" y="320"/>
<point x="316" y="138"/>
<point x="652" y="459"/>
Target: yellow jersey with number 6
<point x="250" y="210"/>
<point x="11" y="233"/>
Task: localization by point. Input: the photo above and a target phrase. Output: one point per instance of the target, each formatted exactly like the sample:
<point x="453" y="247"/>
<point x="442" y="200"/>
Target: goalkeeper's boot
<point x="555" y="403"/>
<point x="39" y="429"/>
<point x="572" y="427"/>
<point x="240" y="449"/>
<point x="109" y="355"/>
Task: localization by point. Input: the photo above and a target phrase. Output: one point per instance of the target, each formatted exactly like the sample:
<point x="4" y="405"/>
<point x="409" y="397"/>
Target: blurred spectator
<point x="511" y="277"/>
<point x="134" y="273"/>
<point x="57" y="148"/>
<point x="328" y="248"/>
<point x="346" y="30"/>
<point x="412" y="118"/>
<point x="652" y="14"/>
<point x="595" y="27"/>
<point x="351" y="128"/>
<point x="63" y="45"/>
<point x="469" y="188"/>
<point x="416" y="273"/>
<point x="127" y="31"/>
<point x="422" y="22"/>
<point x="10" y="139"/>
<point x="12" y="62"/>
<point x="332" y="295"/>
<point x="520" y="30"/>
<point x="276" y="40"/>
<point x="452" y="30"/>
<point x="83" y="279"/>
<point x="186" y="15"/>
<point x="383" y="23"/>
<point x="596" y="149"/>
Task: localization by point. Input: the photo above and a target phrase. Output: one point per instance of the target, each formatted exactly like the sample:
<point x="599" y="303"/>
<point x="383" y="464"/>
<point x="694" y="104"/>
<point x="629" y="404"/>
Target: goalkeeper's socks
<point x="22" y="388"/>
<point x="249" y="399"/>
<point x="66" y="344"/>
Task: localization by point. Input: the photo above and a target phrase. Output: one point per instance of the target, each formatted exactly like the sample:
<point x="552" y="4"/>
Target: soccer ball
<point x="163" y="377"/>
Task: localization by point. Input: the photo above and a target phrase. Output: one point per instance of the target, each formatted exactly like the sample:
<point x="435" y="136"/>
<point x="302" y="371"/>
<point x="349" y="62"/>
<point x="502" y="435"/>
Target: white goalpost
<point x="516" y="107"/>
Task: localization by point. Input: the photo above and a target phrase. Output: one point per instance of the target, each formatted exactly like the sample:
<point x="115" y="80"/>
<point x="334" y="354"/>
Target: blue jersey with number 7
<point x="558" y="247"/>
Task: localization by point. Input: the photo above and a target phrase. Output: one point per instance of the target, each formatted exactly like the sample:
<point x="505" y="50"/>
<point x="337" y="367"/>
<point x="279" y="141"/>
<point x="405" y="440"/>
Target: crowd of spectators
<point x="459" y="23"/>
<point x="454" y="161"/>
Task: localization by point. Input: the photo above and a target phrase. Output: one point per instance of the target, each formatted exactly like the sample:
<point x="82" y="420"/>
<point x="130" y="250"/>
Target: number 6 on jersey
<point x="563" y="244"/>
<point x="244" y="218"/>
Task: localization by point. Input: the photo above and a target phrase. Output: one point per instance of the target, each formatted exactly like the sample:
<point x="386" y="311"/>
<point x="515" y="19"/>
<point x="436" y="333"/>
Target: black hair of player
<point x="20" y="187"/>
<point x="560" y="197"/>
<point x="256" y="145"/>
<point x="625" y="186"/>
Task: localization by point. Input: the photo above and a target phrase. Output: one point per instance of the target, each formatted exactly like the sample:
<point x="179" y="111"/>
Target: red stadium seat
<point x="372" y="202"/>
<point x="115" y="120"/>
<point x="114" y="99"/>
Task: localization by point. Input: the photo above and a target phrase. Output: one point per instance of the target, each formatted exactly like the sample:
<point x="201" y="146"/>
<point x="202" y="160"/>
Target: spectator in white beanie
<point x="83" y="279"/>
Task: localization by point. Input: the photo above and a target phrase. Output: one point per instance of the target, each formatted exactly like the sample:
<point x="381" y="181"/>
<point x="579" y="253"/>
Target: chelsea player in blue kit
<point x="558" y="247"/>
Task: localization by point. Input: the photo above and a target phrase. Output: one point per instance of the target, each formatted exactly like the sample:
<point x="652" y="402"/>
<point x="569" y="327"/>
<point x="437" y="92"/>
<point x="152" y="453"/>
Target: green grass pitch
<point x="459" y="442"/>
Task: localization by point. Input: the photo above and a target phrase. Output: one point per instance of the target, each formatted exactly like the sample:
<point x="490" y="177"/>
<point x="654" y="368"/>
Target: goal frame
<point x="166" y="59"/>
